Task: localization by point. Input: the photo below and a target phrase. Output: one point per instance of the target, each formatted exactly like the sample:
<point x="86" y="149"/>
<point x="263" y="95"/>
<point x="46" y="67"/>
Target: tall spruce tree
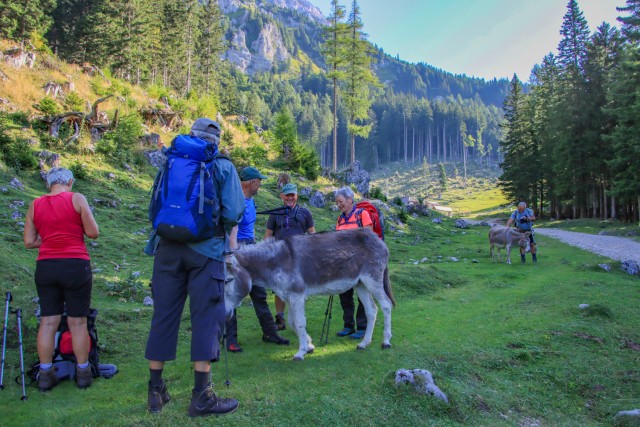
<point x="358" y="78"/>
<point x="571" y="153"/>
<point x="335" y="44"/>
<point x="24" y="20"/>
<point x="210" y="43"/>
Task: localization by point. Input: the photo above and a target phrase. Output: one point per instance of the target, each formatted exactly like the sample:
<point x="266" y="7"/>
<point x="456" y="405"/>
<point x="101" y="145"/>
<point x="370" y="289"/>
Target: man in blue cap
<point x="251" y="180"/>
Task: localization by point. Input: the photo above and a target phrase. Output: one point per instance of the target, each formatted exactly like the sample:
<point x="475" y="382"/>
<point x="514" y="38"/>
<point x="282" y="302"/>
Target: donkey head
<point x="237" y="286"/>
<point x="524" y="241"/>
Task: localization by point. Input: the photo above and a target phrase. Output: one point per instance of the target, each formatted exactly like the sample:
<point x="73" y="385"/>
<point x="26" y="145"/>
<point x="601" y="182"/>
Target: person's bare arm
<point x="311" y="230"/>
<point x="89" y="223"/>
<point x="30" y="237"/>
<point x="268" y="233"/>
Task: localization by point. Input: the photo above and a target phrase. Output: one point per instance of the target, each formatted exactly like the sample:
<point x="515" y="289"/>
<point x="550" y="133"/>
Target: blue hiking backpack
<point x="185" y="204"/>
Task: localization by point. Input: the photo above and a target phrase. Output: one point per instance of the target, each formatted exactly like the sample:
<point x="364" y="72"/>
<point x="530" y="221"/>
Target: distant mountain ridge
<point x="276" y="35"/>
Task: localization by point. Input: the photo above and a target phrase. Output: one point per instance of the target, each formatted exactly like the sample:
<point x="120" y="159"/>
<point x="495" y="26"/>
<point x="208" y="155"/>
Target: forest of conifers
<point x="572" y="143"/>
<point x="566" y="141"/>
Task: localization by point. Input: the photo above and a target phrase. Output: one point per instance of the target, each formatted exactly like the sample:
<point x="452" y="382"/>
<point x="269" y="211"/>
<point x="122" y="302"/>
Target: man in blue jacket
<point x="523" y="218"/>
<point x="251" y="180"/>
<point x="196" y="270"/>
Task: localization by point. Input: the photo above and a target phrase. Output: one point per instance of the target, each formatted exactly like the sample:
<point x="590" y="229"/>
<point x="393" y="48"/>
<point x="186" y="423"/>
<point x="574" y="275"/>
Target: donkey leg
<point x="371" y="310"/>
<point x="298" y="323"/>
<point x="386" y="306"/>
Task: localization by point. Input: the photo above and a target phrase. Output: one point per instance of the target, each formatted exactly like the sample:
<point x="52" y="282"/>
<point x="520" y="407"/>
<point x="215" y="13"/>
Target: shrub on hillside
<point x="254" y="154"/>
<point x="79" y="170"/>
<point x="119" y="143"/>
<point x="376" y="193"/>
<point x="47" y="106"/>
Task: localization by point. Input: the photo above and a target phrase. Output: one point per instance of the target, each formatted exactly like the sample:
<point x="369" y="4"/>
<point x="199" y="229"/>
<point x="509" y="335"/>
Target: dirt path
<point x="616" y="248"/>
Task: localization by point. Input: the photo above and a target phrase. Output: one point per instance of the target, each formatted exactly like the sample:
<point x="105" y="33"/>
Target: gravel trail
<point x="616" y="248"/>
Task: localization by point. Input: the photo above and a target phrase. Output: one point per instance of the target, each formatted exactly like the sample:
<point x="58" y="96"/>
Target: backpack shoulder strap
<point x="359" y="217"/>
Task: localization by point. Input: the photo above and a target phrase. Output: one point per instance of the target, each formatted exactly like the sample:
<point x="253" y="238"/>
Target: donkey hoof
<point x="358" y="347"/>
<point x="386" y="346"/>
<point x="310" y="351"/>
<point x="298" y="358"/>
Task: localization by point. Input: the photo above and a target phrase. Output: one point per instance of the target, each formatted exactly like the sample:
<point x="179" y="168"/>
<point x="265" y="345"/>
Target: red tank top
<point x="60" y="227"/>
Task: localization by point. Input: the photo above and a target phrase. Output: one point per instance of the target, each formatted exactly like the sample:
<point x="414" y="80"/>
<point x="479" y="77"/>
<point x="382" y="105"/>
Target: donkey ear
<point x="230" y="260"/>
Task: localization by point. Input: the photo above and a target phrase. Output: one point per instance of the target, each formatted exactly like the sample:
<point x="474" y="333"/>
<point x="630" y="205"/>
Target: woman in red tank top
<point x="56" y="224"/>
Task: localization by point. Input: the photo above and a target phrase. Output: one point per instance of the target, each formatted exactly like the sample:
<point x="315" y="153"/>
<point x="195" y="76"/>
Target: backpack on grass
<point x="64" y="361"/>
<point x="377" y="218"/>
<point x="185" y="202"/>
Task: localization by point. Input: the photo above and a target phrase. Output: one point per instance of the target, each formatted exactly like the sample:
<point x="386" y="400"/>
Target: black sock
<point x="155" y="377"/>
<point x="201" y="380"/>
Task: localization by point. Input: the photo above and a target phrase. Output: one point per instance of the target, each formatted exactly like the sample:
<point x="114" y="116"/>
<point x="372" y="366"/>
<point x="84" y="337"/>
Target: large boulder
<point x="317" y="200"/>
<point x="631" y="267"/>
<point x="155" y="158"/>
<point x="356" y="175"/>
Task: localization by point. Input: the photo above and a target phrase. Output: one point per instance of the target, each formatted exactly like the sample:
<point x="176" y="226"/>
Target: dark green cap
<point x="249" y="173"/>
<point x="289" y="189"/>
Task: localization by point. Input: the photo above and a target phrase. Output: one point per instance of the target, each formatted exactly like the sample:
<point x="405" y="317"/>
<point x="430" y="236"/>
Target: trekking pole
<point x="327" y="320"/>
<point x="4" y="336"/>
<point x="19" y="317"/>
<point x="226" y="356"/>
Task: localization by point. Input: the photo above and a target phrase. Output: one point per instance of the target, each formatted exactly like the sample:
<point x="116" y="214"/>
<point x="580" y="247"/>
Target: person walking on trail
<point x="251" y="180"/>
<point x="196" y="270"/>
<point x="293" y="221"/>
<point x="348" y="220"/>
<point x="523" y="218"/>
<point x="56" y="224"/>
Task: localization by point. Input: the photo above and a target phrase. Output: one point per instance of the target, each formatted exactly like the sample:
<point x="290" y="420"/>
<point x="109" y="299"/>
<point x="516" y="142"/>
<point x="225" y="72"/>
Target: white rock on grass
<point x="583" y="306"/>
<point x="422" y="380"/>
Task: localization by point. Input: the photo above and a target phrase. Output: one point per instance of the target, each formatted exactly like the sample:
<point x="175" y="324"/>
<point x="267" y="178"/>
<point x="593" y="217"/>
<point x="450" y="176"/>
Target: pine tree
<point x="358" y="79"/>
<point x="335" y="38"/>
<point x="210" y="43"/>
<point x="25" y="20"/>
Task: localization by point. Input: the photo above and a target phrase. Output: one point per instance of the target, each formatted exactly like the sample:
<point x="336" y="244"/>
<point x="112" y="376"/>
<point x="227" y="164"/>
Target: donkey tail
<point x="387" y="286"/>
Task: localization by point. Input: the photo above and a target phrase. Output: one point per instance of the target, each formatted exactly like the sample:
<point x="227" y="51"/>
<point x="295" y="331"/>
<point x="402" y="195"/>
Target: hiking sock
<point x="155" y="377"/>
<point x="46" y="366"/>
<point x="84" y="365"/>
<point x="201" y="380"/>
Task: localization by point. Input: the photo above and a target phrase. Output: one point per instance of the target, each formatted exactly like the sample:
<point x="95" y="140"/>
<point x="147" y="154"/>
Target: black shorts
<point x="64" y="280"/>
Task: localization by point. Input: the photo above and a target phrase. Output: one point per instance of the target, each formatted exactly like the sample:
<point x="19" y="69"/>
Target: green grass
<point x="506" y="343"/>
<point x="479" y="198"/>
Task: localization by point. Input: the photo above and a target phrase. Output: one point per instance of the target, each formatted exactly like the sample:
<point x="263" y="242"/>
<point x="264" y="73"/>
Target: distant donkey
<point x="318" y="264"/>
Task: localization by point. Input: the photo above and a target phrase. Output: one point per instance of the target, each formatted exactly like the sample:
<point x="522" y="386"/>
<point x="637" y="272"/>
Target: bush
<point x="376" y="193"/>
<point x="47" y="106"/>
<point x="397" y="201"/>
<point x="255" y="154"/>
<point x="17" y="154"/>
<point x="73" y="102"/>
<point x="79" y="170"/>
<point x="119" y="143"/>
<point x="403" y="215"/>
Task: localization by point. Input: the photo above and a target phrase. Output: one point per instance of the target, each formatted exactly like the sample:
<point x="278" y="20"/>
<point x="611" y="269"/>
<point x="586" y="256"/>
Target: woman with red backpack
<point x="351" y="217"/>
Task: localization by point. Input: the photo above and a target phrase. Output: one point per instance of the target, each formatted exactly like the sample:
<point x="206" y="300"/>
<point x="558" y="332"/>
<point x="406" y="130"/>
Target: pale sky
<point x="481" y="38"/>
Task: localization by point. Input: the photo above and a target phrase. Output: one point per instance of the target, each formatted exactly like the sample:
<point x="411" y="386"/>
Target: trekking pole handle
<point x="8" y="297"/>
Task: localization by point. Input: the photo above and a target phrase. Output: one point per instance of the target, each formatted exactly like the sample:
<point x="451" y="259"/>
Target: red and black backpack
<point x="377" y="219"/>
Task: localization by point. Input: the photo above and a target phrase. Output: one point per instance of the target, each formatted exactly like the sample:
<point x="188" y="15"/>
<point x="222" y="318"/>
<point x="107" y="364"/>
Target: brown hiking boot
<point x="84" y="376"/>
<point x="207" y="403"/>
<point x="158" y="397"/>
<point x="47" y="379"/>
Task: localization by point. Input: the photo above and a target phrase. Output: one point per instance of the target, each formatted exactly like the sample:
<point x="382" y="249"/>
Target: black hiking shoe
<point x="523" y="259"/>
<point x="280" y="324"/>
<point x="47" y="379"/>
<point x="158" y="397"/>
<point x="276" y="339"/>
<point x="206" y="403"/>
<point x="535" y="257"/>
<point x="84" y="376"/>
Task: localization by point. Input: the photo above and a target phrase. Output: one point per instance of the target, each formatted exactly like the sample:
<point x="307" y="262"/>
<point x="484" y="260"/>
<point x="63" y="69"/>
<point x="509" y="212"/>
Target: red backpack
<point x="376" y="217"/>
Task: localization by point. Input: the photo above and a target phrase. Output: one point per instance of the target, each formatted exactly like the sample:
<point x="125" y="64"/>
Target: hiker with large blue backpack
<point x="196" y="200"/>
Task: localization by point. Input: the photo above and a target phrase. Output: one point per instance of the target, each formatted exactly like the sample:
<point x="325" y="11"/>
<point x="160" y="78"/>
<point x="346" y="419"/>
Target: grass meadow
<point x="507" y="344"/>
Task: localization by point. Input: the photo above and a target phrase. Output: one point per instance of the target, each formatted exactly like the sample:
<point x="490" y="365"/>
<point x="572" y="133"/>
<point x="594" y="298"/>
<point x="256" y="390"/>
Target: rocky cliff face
<point x="268" y="48"/>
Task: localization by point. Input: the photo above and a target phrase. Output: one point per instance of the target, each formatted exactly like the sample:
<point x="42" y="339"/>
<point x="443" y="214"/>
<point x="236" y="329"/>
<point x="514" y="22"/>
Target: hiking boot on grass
<point x="280" y="324"/>
<point x="84" y="377"/>
<point x="234" y="347"/>
<point x="357" y="335"/>
<point x="345" y="332"/>
<point x="276" y="339"/>
<point x="158" y="397"/>
<point x="47" y="379"/>
<point x="206" y="403"/>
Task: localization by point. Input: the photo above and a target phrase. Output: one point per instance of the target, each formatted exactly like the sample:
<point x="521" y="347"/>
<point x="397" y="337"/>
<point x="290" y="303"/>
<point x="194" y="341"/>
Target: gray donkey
<point x="318" y="264"/>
